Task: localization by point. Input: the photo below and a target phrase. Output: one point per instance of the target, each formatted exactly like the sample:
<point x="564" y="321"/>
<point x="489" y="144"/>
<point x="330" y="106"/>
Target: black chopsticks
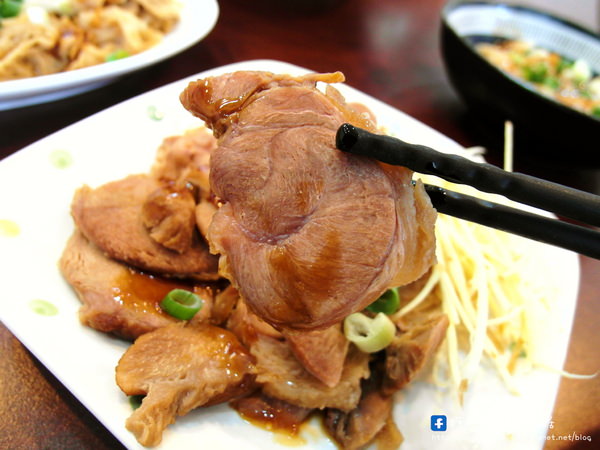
<point x="556" y="198"/>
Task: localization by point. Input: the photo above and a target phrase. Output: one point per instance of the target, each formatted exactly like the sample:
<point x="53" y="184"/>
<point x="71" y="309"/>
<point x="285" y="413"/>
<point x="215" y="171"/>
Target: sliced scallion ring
<point x="181" y="304"/>
<point x="369" y="335"/>
<point x="388" y="303"/>
<point x="10" y="8"/>
<point x="116" y="55"/>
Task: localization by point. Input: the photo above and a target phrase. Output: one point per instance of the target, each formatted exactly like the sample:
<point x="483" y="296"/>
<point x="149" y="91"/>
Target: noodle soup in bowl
<point x="532" y="68"/>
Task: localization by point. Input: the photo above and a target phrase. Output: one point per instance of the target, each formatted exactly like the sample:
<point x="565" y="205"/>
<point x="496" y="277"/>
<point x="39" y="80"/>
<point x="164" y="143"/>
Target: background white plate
<point x="197" y="19"/>
<point x="35" y="195"/>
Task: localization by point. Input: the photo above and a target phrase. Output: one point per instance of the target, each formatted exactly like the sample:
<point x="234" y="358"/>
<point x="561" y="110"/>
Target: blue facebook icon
<point x="438" y="423"/>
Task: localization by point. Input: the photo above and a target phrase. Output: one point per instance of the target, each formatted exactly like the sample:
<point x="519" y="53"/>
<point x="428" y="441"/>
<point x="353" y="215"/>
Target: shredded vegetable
<point x="483" y="282"/>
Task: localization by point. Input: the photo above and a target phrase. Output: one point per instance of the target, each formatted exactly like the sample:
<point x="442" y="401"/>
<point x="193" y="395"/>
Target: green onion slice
<point x="536" y="73"/>
<point x="369" y="335"/>
<point x="388" y="303"/>
<point x="181" y="304"/>
<point x="10" y="8"/>
<point x="117" y="54"/>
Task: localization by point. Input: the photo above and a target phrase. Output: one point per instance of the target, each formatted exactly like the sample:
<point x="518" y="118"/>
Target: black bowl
<point x="542" y="125"/>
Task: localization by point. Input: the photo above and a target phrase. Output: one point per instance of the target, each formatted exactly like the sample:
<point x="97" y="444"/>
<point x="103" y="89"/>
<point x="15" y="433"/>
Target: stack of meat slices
<point x="303" y="234"/>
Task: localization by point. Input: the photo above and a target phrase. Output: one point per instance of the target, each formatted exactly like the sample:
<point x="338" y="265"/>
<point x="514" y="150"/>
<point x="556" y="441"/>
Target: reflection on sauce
<point x="143" y="292"/>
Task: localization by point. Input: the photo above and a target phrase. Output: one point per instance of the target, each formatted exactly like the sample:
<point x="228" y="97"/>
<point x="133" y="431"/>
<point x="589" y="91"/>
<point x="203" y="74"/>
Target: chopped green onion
<point x="369" y="335"/>
<point x="552" y="83"/>
<point x="117" y="54"/>
<point x="154" y="113"/>
<point x="596" y="111"/>
<point x="536" y="73"/>
<point x="181" y="304"/>
<point x="388" y="303"/>
<point x="10" y="8"/>
<point x="136" y="401"/>
<point x="563" y="64"/>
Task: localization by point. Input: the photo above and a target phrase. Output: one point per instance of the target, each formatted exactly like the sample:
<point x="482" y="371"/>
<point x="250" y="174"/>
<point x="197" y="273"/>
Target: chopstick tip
<point x="346" y="137"/>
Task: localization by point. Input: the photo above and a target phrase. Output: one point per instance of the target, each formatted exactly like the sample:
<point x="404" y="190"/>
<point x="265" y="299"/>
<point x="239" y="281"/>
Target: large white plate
<point x="197" y="19"/>
<point x="35" y="194"/>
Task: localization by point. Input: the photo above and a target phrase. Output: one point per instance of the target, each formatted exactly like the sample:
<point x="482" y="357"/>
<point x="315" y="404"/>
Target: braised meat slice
<point x="99" y="283"/>
<point x="283" y="376"/>
<point x="410" y="351"/>
<point x="247" y="326"/>
<point x="117" y="299"/>
<point x="321" y="352"/>
<point x="179" y="368"/>
<point x="168" y="214"/>
<point x="306" y="233"/>
<point x="111" y="217"/>
<point x="223" y="305"/>
<point x="186" y="159"/>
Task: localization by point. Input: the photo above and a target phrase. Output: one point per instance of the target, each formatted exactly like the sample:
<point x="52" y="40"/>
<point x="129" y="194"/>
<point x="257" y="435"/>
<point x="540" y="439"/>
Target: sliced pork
<point x="410" y="352"/>
<point x="112" y="217"/>
<point x="116" y="299"/>
<point x="168" y="214"/>
<point x="282" y="376"/>
<point x="321" y="352"/>
<point x="99" y="283"/>
<point x="186" y="159"/>
<point x="179" y="368"/>
<point x="306" y="233"/>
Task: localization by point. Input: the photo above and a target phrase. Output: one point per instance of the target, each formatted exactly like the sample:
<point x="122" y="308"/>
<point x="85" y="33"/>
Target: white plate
<point x="35" y="197"/>
<point x="197" y="19"/>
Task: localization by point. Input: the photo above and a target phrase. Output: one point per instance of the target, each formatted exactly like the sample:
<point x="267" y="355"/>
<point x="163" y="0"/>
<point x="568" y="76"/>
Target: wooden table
<point x="388" y="49"/>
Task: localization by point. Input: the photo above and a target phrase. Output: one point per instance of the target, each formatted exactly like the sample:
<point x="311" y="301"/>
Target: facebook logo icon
<point x="438" y="423"/>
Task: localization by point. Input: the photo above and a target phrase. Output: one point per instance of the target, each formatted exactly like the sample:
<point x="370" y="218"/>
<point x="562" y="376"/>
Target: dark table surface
<point x="386" y="48"/>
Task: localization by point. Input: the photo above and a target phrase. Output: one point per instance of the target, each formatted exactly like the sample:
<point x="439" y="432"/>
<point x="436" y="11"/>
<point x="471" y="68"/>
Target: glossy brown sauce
<point x="144" y="292"/>
<point x="272" y="414"/>
<point x="223" y="109"/>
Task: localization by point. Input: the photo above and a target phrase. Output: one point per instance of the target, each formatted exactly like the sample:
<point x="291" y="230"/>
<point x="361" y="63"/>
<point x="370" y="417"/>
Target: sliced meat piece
<point x="111" y="217"/>
<point x="223" y="305"/>
<point x="271" y="413"/>
<point x="179" y="368"/>
<point x="247" y="326"/>
<point x="357" y="428"/>
<point x="306" y="233"/>
<point x="321" y="352"/>
<point x="115" y="298"/>
<point x="205" y="210"/>
<point x="282" y="376"/>
<point x="169" y="216"/>
<point x="97" y="279"/>
<point x="409" y="352"/>
<point x="185" y="159"/>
